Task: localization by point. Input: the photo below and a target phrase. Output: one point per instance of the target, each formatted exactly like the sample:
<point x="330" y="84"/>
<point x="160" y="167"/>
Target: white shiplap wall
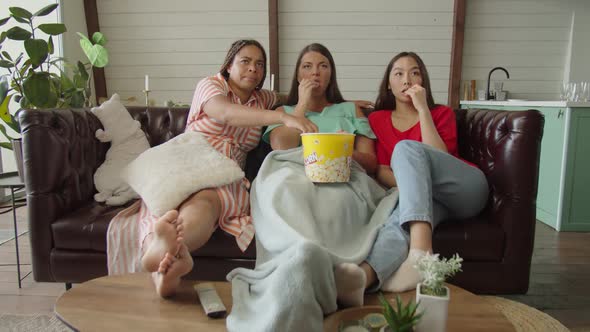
<point x="175" y="42"/>
<point x="363" y="36"/>
<point x="530" y="38"/>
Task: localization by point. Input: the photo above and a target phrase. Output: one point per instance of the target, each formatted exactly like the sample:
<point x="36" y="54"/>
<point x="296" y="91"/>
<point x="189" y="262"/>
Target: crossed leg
<point x="176" y="234"/>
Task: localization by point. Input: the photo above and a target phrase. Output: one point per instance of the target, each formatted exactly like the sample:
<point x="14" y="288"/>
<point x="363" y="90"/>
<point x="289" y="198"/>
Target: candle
<point x="147" y="83"/>
<point x="272" y="82"/>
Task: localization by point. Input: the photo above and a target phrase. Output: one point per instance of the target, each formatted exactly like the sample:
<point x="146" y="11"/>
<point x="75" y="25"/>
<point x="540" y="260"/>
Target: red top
<point x="388" y="136"/>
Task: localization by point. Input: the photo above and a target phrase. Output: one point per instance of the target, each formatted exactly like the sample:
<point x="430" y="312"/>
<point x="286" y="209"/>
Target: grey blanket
<point x="302" y="230"/>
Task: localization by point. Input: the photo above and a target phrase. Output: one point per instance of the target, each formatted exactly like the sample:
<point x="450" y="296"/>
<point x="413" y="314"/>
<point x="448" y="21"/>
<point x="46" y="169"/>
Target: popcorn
<point x="327" y="156"/>
<point x="332" y="170"/>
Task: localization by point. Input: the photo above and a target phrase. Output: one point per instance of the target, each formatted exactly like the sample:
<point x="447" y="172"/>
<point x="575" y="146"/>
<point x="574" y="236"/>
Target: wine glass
<point x="563" y="90"/>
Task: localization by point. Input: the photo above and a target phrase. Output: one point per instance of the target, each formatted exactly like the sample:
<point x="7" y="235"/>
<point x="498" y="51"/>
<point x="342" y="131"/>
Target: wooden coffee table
<point x="467" y="312"/>
<point x="130" y="303"/>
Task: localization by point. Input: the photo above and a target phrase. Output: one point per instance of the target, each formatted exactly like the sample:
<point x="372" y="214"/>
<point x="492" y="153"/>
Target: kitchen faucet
<point x="488" y="95"/>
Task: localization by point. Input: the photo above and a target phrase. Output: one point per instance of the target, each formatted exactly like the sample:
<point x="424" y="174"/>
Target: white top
<point x="520" y="102"/>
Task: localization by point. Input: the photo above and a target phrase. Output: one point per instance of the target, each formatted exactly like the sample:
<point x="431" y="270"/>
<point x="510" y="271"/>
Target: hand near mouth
<point x="418" y="95"/>
<point x="305" y="88"/>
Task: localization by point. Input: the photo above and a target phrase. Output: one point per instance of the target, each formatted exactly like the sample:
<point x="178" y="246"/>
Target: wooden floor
<point x="559" y="279"/>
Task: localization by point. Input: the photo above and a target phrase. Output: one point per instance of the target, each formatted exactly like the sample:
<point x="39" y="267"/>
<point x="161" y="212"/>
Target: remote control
<point x="210" y="300"/>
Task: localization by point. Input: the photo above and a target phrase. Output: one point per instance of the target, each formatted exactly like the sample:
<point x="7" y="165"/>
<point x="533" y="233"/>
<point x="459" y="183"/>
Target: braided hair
<point x="231" y="54"/>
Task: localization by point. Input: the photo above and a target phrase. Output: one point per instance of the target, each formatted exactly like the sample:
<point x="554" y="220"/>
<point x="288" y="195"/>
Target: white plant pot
<point x="435" y="309"/>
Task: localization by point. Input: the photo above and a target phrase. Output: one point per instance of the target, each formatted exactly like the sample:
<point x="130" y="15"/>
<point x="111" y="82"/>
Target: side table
<point x="13" y="182"/>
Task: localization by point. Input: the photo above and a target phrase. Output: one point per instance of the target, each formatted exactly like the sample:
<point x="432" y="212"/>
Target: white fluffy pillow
<point x="165" y="175"/>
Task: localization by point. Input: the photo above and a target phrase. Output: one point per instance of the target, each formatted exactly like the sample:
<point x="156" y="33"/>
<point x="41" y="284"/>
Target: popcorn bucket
<point x="327" y="156"/>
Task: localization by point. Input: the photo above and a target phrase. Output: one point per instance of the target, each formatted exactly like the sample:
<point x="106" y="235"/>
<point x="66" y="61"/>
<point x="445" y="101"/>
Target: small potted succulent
<point x="401" y="319"/>
<point x="433" y="295"/>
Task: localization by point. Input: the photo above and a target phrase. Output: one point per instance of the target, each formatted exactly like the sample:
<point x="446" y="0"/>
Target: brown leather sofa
<point x="67" y="228"/>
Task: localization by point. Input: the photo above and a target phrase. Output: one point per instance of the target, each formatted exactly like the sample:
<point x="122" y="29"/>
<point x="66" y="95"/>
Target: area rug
<point x="525" y="318"/>
<point x="30" y="323"/>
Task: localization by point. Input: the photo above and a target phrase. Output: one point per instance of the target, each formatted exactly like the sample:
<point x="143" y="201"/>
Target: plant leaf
<point x="18" y="33"/>
<point x="96" y="54"/>
<point x="6" y="55"/>
<point x="20" y="12"/>
<point x="99" y="38"/>
<point x="37" y="49"/>
<point x="4" y="112"/>
<point x="2" y="37"/>
<point x="8" y="137"/>
<point x="6" y="145"/>
<point x="4" y="20"/>
<point x="82" y="36"/>
<point x="3" y="87"/>
<point x="66" y="82"/>
<point x="83" y="72"/>
<point x="6" y="64"/>
<point x="77" y="100"/>
<point x="46" y="10"/>
<point x="36" y="89"/>
<point x="50" y="48"/>
<point x="20" y="19"/>
<point x="53" y="29"/>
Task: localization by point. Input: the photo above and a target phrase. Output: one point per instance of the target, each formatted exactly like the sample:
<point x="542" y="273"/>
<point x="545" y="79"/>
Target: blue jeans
<point x="433" y="186"/>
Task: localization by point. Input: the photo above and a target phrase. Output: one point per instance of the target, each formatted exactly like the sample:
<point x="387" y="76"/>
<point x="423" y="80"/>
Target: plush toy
<point x="127" y="142"/>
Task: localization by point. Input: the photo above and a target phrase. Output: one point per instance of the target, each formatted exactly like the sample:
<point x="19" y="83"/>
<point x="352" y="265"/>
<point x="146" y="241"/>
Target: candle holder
<point x="147" y="97"/>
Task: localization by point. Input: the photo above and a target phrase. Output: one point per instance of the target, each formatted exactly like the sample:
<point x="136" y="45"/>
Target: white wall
<point x="529" y="38"/>
<point x="14" y="48"/>
<point x="73" y="16"/>
<point x="175" y="42"/>
<point x="579" y="64"/>
<point x="363" y="36"/>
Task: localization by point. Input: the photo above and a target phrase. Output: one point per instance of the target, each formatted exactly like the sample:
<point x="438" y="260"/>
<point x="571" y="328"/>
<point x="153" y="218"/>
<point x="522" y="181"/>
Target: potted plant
<point x="36" y="78"/>
<point x="401" y="319"/>
<point x="432" y="293"/>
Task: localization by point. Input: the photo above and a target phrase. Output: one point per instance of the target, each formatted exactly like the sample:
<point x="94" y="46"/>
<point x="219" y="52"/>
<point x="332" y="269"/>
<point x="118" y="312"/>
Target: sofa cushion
<point x="86" y="229"/>
<point x="474" y="239"/>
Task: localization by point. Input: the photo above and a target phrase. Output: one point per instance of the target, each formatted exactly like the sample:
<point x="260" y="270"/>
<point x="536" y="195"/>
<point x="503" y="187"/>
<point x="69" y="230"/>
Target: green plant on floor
<point x="403" y="318"/>
<point x="435" y="270"/>
<point x="37" y="79"/>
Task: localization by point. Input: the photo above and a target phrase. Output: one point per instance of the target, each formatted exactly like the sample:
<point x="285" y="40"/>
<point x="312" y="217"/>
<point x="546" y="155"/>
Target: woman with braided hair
<point x="229" y="110"/>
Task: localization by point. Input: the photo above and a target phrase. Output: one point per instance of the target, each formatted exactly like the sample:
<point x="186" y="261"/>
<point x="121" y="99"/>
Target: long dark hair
<point x="386" y="99"/>
<point x="231" y="54"/>
<point x="332" y="92"/>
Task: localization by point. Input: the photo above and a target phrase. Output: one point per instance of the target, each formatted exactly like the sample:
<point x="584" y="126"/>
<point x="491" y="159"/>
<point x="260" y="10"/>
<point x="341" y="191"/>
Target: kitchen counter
<point x="526" y="103"/>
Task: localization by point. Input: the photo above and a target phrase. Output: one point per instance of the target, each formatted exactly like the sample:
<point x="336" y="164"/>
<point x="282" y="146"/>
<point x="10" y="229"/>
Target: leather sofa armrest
<point x="60" y="154"/>
<point x="506" y="145"/>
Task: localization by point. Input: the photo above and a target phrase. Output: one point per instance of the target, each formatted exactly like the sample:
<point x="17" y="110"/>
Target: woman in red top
<point x="417" y="153"/>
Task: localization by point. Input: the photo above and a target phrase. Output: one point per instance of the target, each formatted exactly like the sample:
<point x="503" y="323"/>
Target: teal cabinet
<point x="563" y="199"/>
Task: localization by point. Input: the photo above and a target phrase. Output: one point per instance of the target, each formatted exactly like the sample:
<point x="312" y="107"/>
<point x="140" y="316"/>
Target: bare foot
<point x="170" y="270"/>
<point x="164" y="240"/>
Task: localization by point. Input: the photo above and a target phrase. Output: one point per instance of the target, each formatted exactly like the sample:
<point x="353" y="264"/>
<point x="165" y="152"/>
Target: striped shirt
<point x="234" y="142"/>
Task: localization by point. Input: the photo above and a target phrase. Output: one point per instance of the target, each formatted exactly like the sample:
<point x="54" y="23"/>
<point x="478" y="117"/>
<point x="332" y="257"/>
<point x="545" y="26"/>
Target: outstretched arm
<point x="284" y="138"/>
<point x="221" y="109"/>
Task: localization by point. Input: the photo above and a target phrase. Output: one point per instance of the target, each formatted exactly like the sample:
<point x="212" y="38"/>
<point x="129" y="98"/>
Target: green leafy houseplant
<point x="37" y="79"/>
<point x="403" y="318"/>
<point x="435" y="270"/>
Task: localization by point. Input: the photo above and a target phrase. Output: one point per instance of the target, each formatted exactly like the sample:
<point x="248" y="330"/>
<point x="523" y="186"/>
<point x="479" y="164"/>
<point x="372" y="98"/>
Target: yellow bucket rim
<point x="345" y="134"/>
